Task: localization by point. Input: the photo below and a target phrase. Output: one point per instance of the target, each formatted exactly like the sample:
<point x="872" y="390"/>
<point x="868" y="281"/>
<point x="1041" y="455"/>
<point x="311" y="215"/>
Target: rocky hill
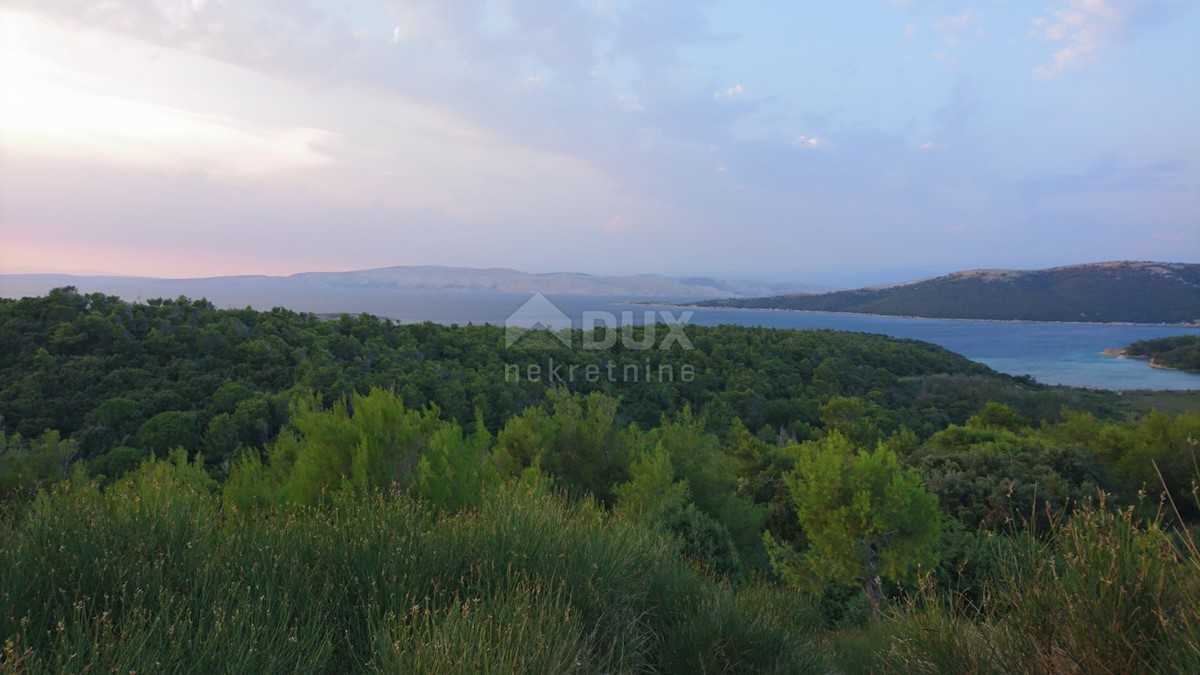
<point x="1135" y="292"/>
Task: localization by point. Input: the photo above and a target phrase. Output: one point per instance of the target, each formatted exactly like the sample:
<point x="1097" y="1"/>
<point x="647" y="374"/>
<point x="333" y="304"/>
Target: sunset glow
<point x="920" y="138"/>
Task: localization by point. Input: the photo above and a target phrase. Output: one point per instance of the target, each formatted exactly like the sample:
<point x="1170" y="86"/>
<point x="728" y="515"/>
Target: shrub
<point x="155" y="573"/>
<point x="1102" y="592"/>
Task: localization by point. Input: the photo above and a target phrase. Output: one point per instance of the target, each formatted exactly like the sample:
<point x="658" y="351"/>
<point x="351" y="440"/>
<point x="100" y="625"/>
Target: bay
<point x="1052" y="353"/>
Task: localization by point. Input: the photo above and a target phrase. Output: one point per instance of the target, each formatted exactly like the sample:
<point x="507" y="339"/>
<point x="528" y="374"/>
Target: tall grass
<point x="1101" y="592"/>
<point x="155" y="574"/>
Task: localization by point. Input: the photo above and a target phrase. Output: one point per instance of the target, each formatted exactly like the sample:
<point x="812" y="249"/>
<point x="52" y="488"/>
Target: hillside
<point x="1175" y="353"/>
<point x="1135" y="292"/>
<point x="239" y="290"/>
<point x="357" y="495"/>
<point x="174" y="355"/>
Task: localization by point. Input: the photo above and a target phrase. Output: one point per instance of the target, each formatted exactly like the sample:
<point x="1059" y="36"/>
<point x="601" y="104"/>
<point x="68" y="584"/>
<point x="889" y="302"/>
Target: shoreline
<point x="1122" y="353"/>
<point x="913" y="316"/>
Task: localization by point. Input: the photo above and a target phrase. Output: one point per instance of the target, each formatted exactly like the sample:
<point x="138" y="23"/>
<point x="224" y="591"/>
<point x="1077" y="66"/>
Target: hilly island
<point x="1108" y="292"/>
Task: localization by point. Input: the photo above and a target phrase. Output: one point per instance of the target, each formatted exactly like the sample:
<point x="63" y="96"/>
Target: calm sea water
<point x="1052" y="353"/>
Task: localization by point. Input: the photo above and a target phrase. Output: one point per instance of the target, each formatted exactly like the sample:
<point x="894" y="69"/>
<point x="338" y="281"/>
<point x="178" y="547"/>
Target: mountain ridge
<point x="420" y="278"/>
<point x="1104" y="292"/>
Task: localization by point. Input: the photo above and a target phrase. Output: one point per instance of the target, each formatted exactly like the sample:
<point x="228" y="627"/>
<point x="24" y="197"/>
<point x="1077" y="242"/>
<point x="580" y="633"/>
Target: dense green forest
<point x="111" y="375"/>
<point x="1180" y="353"/>
<point x="1100" y="292"/>
<point x="354" y="494"/>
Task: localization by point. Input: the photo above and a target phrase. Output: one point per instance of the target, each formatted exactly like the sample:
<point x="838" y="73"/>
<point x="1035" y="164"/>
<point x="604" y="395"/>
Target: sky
<point x="840" y="143"/>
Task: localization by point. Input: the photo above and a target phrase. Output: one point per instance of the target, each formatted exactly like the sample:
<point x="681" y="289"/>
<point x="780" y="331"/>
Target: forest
<point x="353" y="494"/>
<point x="1181" y="352"/>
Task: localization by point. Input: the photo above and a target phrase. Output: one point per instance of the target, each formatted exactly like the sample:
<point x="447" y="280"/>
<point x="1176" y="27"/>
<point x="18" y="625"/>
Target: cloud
<point x="545" y="114"/>
<point x="954" y="27"/>
<point x="1081" y="29"/>
<point x="954" y="30"/>
<point x="457" y="56"/>
<point x="735" y="91"/>
<point x="45" y="112"/>
<point x="1084" y="25"/>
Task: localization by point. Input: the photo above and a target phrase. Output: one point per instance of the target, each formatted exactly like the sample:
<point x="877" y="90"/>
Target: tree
<point x="653" y="495"/>
<point x="851" y="416"/>
<point x="363" y="444"/>
<point x="119" y="415"/>
<point x="29" y="464"/>
<point x="227" y="396"/>
<point x="988" y="476"/>
<point x="651" y="485"/>
<point x="711" y="476"/>
<point x="997" y="416"/>
<point x="220" y="438"/>
<point x="116" y="462"/>
<point x="864" y="515"/>
<point x="454" y="470"/>
<point x="579" y="442"/>
<point x="169" y="430"/>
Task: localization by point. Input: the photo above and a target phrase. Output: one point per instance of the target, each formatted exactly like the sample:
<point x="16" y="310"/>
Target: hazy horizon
<point x="824" y="284"/>
<point x="840" y="145"/>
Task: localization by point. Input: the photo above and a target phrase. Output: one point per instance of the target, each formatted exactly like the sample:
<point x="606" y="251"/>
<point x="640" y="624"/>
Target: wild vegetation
<point x="122" y="379"/>
<point x="1181" y="352"/>
<point x="357" y="495"/>
<point x="1099" y="292"/>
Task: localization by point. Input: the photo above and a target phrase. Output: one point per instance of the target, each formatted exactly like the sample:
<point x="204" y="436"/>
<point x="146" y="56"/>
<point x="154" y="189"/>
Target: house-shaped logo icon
<point x="537" y="313"/>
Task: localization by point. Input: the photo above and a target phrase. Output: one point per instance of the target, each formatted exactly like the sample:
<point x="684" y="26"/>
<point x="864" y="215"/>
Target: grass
<point x="153" y="575"/>
<point x="1101" y="592"/>
<point x="1139" y="402"/>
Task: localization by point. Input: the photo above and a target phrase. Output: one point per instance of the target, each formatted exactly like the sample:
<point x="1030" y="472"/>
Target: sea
<point x="1052" y="353"/>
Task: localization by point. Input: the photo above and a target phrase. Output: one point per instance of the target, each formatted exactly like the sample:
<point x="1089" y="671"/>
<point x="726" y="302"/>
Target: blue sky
<point x="837" y="143"/>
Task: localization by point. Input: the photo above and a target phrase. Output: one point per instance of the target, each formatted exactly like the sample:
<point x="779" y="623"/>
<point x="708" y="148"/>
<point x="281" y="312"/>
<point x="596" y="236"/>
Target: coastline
<point x="912" y="316"/>
<point x="1122" y="353"/>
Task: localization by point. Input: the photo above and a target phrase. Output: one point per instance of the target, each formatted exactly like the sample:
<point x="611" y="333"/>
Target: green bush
<point x="1101" y="592"/>
<point x="156" y="574"/>
<point x="29" y="464"/>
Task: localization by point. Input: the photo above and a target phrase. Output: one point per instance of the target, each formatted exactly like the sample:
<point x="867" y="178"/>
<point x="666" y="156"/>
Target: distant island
<point x="433" y="278"/>
<point x="1108" y="292"/>
<point x="1181" y="352"/>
